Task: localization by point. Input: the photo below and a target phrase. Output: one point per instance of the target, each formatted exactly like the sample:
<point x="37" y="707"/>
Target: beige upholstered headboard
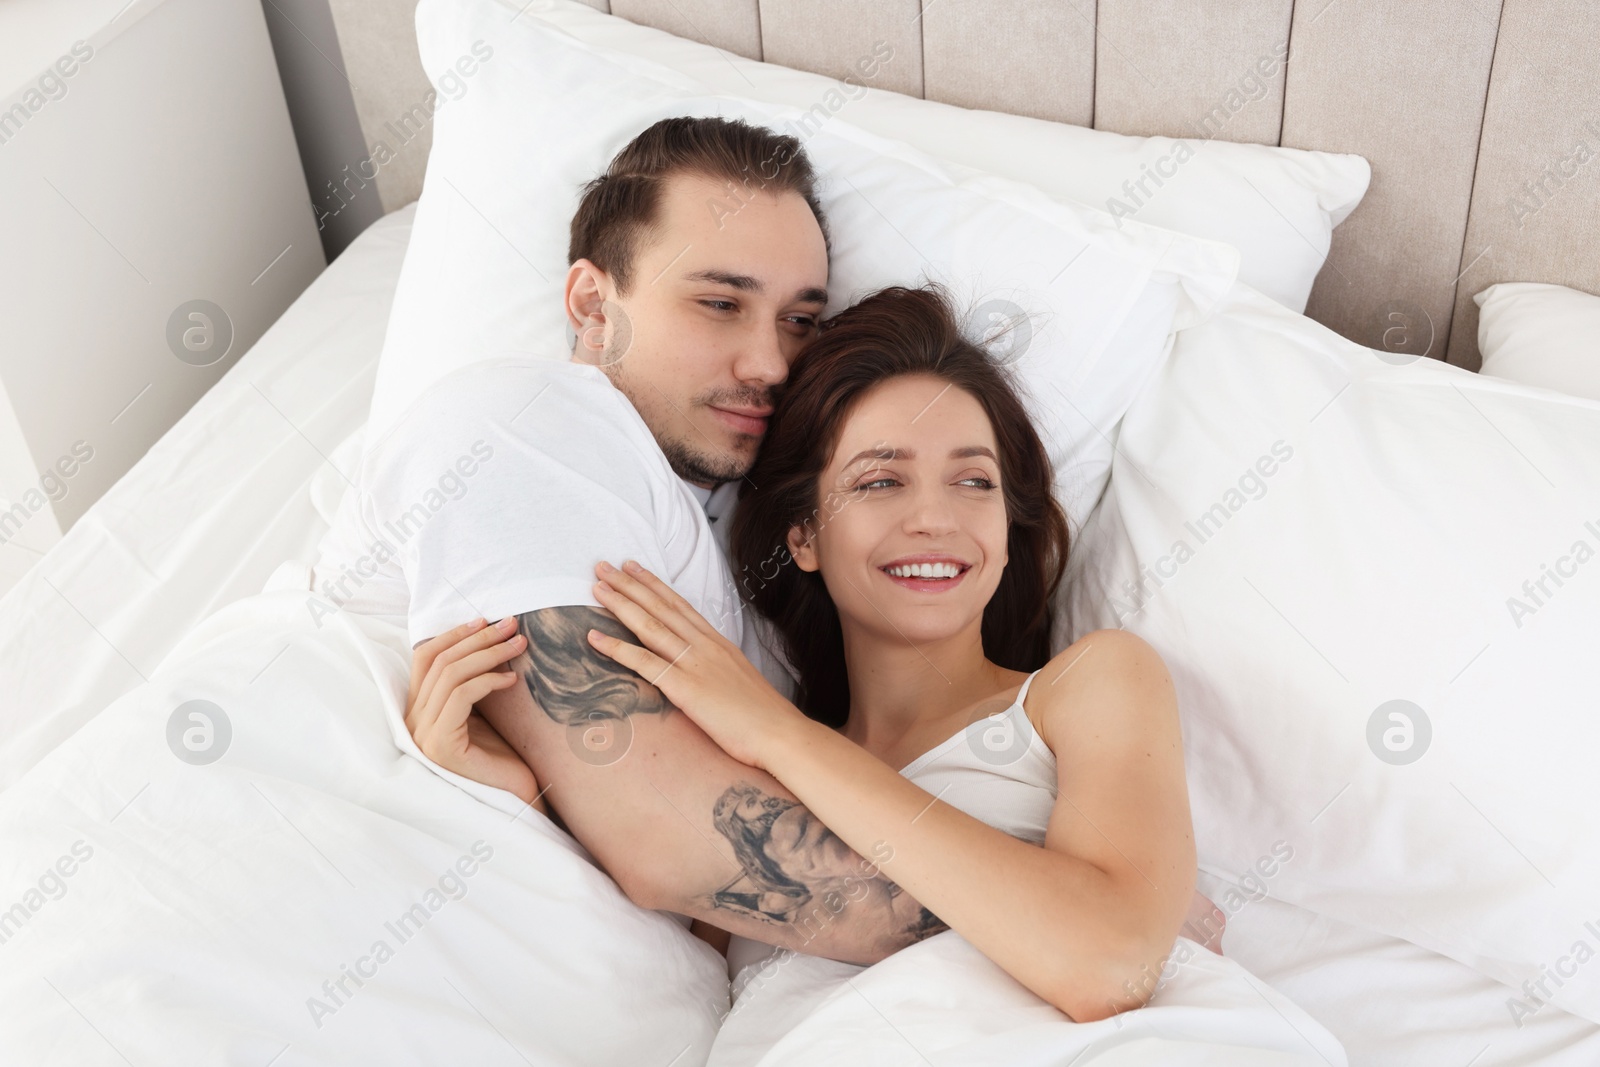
<point x="1472" y="113"/>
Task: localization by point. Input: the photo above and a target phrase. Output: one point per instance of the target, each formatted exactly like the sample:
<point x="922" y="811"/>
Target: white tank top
<point x="998" y="770"/>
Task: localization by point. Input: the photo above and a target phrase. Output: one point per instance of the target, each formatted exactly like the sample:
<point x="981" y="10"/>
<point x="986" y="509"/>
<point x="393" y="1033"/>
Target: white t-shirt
<point x="500" y="489"/>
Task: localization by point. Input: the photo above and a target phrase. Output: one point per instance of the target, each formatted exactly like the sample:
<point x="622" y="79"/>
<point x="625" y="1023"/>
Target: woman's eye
<point x="718" y="305"/>
<point x="983" y="482"/>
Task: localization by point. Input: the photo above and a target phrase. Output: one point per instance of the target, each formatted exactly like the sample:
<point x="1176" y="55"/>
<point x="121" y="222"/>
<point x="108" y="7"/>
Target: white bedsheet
<point x="206" y="515"/>
<point x="1392" y="1003"/>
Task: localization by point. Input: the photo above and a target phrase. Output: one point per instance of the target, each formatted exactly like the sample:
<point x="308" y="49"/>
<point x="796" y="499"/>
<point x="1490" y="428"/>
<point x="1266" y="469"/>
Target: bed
<point x="193" y="562"/>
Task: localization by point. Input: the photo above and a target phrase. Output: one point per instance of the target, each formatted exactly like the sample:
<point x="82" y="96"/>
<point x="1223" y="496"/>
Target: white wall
<point x="164" y="171"/>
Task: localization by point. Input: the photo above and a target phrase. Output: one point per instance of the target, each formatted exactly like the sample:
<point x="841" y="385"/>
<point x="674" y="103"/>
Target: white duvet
<point x="314" y="895"/>
<point x="943" y="1002"/>
<point x="237" y="863"/>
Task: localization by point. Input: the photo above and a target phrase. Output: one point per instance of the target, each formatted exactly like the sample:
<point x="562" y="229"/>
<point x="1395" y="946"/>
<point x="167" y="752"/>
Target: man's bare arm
<point x="679" y="824"/>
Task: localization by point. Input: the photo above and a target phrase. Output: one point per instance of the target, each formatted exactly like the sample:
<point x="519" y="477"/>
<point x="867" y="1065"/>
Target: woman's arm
<point x="1086" y="921"/>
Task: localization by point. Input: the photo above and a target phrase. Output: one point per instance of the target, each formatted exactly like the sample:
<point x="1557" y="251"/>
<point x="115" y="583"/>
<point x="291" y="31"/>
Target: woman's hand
<point x="701" y="672"/>
<point x="450" y="674"/>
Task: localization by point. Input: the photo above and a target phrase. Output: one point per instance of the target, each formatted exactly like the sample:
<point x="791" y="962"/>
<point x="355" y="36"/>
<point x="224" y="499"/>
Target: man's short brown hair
<point x="620" y="206"/>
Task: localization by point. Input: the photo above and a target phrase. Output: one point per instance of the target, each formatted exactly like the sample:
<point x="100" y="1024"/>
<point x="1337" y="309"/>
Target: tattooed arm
<point x="678" y="823"/>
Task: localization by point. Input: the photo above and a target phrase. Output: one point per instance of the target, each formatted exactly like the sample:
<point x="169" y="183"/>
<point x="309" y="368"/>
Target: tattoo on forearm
<point x="574" y="684"/>
<point x="746" y="817"/>
<point x="796" y="873"/>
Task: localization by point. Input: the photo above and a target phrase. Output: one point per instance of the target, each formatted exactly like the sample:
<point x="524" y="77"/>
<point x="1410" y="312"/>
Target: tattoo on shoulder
<point x="573" y="683"/>
<point x="796" y="873"/>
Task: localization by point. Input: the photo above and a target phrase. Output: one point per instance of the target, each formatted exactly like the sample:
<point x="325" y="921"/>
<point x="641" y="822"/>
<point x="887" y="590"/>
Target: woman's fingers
<point x="423" y="655"/>
<point x="459" y="705"/>
<point x="426" y="655"/>
<point x="654" y="633"/>
<point x="450" y="674"/>
<point x="446" y="732"/>
<point x="473" y="656"/>
<point x="641" y="661"/>
<point x="447" y="678"/>
<point x="465" y="660"/>
<point x="647" y="594"/>
<point x="450" y="637"/>
<point x="667" y="595"/>
<point x="473" y="644"/>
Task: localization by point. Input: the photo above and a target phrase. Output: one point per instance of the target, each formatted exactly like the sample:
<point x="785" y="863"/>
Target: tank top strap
<point x="1022" y="693"/>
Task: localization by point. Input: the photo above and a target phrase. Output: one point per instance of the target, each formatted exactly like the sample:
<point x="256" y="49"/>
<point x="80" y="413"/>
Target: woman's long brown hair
<point x="895" y="331"/>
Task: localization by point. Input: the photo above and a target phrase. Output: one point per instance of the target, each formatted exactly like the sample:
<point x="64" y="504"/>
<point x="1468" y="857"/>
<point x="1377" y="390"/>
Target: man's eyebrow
<point x="910" y="453"/>
<point x="742" y="282"/>
<point x="748" y="284"/>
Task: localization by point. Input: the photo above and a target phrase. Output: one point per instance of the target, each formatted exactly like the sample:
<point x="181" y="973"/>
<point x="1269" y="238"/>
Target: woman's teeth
<point x="925" y="570"/>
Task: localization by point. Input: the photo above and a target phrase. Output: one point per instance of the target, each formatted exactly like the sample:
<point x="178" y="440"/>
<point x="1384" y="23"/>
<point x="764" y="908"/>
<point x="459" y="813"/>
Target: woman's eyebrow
<point x="910" y="453"/>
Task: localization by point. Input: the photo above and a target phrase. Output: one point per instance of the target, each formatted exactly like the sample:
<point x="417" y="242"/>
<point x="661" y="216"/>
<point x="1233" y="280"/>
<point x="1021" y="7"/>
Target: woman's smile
<point x="941" y="581"/>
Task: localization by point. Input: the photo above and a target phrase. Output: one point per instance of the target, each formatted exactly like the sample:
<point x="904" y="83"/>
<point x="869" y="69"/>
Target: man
<point x="699" y="266"/>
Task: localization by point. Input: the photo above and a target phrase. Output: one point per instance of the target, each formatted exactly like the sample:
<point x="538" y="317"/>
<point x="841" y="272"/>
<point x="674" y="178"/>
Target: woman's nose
<point x="931" y="511"/>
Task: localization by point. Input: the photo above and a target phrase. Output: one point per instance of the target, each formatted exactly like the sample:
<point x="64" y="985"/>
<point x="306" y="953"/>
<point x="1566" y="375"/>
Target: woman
<point x="900" y="532"/>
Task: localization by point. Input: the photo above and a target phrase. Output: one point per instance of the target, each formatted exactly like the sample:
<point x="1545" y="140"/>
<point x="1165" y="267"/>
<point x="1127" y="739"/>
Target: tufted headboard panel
<point x="1481" y="118"/>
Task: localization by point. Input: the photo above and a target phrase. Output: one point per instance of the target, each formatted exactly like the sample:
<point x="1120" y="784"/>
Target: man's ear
<point x="802" y="548"/>
<point x="588" y="288"/>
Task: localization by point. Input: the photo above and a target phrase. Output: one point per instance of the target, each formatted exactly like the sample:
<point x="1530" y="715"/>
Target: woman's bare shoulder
<point x="1097" y="657"/>
<point x="1107" y="678"/>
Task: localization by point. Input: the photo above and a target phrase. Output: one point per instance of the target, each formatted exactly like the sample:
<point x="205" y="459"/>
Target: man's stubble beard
<point x="689" y="457"/>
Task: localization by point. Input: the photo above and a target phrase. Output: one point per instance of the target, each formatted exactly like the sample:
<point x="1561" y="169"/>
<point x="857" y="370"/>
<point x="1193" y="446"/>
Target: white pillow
<point x="1546" y="335"/>
<point x="1307" y="533"/>
<point x="484" y="273"/>
<point x="1278" y="206"/>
